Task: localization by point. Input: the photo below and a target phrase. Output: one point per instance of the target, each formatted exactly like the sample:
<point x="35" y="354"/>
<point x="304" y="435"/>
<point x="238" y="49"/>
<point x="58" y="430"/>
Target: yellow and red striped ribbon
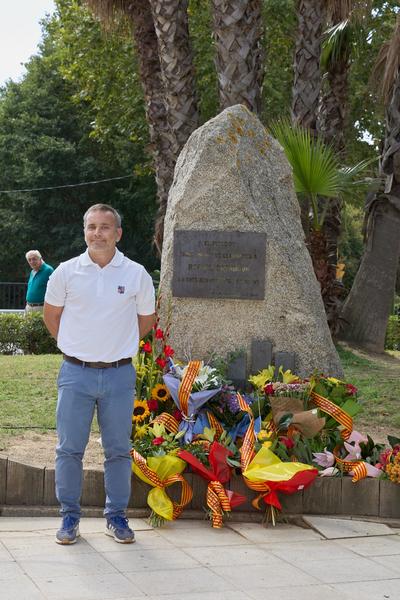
<point x="215" y="424"/>
<point x="334" y="411"/>
<point x="358" y="466"/>
<point x="247" y="454"/>
<point x="186" y="385"/>
<point x="169" y="422"/>
<point x="186" y="492"/>
<point x="218" y="502"/>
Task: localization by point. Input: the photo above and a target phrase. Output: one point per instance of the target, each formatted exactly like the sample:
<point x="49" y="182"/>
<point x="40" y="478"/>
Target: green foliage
<point x="351" y="244"/>
<point x="26" y="333"/>
<point x="46" y="139"/>
<point x="316" y="170"/>
<point x="392" y="341"/>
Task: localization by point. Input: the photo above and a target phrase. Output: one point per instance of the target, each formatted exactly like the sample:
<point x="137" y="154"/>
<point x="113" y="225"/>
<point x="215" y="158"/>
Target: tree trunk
<point x="237" y="28"/>
<point x="367" y="308"/>
<point x="307" y="73"/>
<point x="172" y="29"/>
<point x="162" y="140"/>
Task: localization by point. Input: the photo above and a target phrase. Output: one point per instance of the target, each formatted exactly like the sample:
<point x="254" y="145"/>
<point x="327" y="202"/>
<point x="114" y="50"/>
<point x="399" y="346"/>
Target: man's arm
<point x="51" y="317"/>
<point x="145" y="322"/>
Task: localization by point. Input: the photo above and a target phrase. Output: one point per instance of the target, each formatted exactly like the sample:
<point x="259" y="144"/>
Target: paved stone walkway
<point x="188" y="560"/>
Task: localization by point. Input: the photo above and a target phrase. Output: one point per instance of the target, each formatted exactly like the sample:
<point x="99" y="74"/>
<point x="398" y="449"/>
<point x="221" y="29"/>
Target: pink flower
<point x="324" y="459"/>
<point x="158" y="441"/>
<point x="159" y="334"/>
<point x="329" y="472"/>
<point x="152" y="404"/>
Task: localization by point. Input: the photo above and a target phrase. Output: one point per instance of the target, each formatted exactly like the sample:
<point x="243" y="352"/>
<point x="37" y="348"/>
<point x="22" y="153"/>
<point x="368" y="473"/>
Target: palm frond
<point x="315" y="167"/>
<point x="387" y="64"/>
<point x="337" y="42"/>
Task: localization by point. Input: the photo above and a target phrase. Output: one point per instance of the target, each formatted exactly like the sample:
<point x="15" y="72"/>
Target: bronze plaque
<point x="219" y="264"/>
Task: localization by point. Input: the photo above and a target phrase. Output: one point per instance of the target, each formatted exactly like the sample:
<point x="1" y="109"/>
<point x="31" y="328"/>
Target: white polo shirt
<point x="99" y="321"/>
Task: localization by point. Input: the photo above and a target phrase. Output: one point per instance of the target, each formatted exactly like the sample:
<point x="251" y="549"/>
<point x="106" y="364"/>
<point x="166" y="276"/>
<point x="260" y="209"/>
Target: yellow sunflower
<point x="140" y="411"/>
<point x="160" y="392"/>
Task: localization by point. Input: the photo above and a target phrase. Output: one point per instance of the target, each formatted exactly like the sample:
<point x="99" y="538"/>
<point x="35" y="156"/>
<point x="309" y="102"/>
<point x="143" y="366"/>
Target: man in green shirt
<point x="37" y="282"/>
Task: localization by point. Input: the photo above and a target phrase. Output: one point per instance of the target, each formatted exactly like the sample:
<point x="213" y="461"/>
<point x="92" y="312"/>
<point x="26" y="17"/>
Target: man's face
<point x="34" y="262"/>
<point x="101" y="233"/>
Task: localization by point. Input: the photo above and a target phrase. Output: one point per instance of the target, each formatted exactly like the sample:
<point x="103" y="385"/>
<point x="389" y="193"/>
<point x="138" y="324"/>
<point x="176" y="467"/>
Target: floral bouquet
<point x="190" y="388"/>
<point x="152" y="395"/>
<point x="265" y="473"/>
<point x="155" y="462"/>
<point x="216" y="470"/>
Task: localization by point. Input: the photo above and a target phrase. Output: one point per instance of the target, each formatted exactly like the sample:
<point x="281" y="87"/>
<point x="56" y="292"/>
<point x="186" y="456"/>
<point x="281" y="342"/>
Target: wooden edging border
<point x="25" y="485"/>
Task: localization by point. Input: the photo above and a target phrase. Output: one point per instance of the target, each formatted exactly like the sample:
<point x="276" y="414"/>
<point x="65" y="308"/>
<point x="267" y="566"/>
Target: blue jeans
<point x="80" y="390"/>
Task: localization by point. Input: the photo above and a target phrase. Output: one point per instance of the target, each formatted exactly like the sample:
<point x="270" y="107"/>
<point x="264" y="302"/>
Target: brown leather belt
<point x="97" y="365"/>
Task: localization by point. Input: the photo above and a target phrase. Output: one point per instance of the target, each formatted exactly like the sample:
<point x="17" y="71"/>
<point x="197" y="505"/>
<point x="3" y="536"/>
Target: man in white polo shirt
<point x="97" y="305"/>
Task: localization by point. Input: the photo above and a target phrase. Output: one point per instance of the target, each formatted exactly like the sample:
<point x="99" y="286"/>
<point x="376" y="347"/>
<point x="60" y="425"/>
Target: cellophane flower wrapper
<point x="287" y="477"/>
<point x="195" y="402"/>
<point x="157" y="498"/>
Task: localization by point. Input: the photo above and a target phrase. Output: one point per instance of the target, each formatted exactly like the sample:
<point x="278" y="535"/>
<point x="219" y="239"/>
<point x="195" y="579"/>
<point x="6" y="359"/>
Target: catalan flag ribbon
<point x="334" y="411"/>
<point x="161" y="472"/>
<point x="219" y="500"/>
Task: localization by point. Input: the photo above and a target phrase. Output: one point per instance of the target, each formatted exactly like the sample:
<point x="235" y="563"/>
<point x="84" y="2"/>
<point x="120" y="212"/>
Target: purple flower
<point x="324" y="459"/>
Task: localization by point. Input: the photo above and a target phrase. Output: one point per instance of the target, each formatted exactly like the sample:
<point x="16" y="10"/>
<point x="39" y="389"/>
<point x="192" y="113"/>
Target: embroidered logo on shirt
<point x="121" y="289"/>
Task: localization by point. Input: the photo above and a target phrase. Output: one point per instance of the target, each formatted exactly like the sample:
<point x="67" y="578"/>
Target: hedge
<point x="392" y="341"/>
<point x="25" y="333"/>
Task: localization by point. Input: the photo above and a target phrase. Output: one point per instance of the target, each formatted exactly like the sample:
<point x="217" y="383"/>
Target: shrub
<point x="25" y="333"/>
<point x="392" y="341"/>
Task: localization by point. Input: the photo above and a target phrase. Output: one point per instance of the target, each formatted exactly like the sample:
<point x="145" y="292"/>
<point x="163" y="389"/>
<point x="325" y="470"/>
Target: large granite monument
<point x="234" y="261"/>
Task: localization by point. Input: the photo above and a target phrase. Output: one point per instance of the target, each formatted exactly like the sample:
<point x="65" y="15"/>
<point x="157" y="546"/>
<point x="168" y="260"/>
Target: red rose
<point x="146" y="347"/>
<point x="269" y="389"/>
<point x="177" y="415"/>
<point x="161" y="362"/>
<point x="159" y="334"/>
<point x="158" y="441"/>
<point x="152" y="404"/>
<point x="168" y="351"/>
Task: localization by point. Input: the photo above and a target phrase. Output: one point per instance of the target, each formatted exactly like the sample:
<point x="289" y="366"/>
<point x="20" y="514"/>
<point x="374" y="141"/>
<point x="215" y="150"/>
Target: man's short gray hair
<point x="33" y="253"/>
<point x="103" y="208"/>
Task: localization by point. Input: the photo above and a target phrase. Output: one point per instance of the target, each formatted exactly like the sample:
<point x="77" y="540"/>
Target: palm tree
<point x="161" y="35"/>
<point x="345" y="18"/>
<point x="171" y="24"/>
<point x="162" y="141"/>
<point x="237" y="29"/>
<point x="318" y="178"/>
<point x="367" y="308"/>
<point x="311" y="16"/>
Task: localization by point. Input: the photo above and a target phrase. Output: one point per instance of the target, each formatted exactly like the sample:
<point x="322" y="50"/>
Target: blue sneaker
<point x="69" y="530"/>
<point x="118" y="528"/>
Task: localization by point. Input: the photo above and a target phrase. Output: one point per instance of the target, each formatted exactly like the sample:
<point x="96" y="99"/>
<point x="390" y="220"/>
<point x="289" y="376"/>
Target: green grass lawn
<point x="28" y="392"/>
